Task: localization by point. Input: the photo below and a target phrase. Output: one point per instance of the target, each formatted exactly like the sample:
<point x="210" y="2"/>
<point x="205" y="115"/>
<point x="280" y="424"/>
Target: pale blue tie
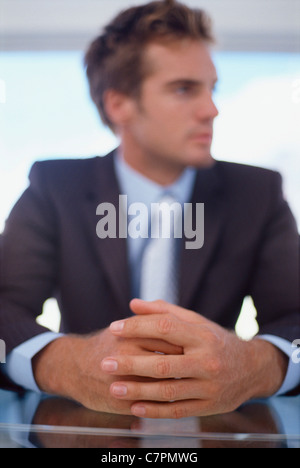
<point x="159" y="279"/>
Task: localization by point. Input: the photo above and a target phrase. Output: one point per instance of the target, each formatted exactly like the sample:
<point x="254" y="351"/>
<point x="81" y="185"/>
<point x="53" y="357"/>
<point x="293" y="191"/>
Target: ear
<point x="118" y="106"/>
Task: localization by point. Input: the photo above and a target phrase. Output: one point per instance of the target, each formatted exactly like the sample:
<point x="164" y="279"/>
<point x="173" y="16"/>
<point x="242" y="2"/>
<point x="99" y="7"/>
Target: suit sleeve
<point x="275" y="281"/>
<point x="28" y="254"/>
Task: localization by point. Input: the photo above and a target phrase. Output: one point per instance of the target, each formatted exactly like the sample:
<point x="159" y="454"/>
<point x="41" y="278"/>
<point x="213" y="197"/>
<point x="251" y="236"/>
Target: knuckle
<point x="214" y="365"/>
<point x="178" y="411"/>
<point x="165" y="325"/>
<point x="210" y="336"/>
<point x="162" y="368"/>
<point x="168" y="392"/>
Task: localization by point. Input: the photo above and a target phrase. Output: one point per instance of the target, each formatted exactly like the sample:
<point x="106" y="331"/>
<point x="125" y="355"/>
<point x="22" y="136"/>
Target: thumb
<point x="140" y="307"/>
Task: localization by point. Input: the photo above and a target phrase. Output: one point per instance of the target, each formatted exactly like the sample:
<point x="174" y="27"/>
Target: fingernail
<point x="117" y="326"/>
<point x="138" y="410"/>
<point x="119" y="390"/>
<point x="109" y="365"/>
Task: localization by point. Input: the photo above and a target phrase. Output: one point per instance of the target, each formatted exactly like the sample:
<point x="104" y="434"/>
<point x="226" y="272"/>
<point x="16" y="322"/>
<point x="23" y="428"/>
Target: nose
<point x="206" y="108"/>
<point x="214" y="110"/>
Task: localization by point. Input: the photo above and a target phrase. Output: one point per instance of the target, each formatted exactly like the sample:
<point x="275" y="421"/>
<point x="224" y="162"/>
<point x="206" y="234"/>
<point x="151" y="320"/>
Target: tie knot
<point x="167" y="198"/>
<point x="166" y="217"/>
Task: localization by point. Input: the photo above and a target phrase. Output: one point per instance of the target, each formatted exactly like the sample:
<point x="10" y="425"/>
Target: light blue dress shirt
<point x="138" y="189"/>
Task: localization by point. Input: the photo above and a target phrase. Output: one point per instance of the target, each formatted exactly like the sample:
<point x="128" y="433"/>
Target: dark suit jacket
<point x="50" y="249"/>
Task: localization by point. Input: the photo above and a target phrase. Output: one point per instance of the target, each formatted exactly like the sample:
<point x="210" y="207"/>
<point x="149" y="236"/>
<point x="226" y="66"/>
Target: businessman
<point x="153" y="338"/>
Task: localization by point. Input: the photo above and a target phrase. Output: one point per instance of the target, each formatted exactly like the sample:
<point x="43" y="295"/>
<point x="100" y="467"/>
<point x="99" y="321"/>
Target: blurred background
<point x="46" y="112"/>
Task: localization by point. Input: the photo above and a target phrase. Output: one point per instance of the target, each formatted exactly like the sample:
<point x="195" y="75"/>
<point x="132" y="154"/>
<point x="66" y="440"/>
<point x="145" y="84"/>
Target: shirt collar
<point x="139" y="188"/>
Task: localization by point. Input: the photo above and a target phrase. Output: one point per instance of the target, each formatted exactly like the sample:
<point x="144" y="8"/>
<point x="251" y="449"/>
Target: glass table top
<point x="38" y="420"/>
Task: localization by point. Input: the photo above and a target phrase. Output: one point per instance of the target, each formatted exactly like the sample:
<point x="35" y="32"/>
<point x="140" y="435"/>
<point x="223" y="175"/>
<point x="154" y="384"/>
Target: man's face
<point x="172" y="121"/>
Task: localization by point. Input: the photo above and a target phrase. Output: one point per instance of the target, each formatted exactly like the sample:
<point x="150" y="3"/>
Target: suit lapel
<point x="110" y="252"/>
<point x="194" y="263"/>
<point x="102" y="187"/>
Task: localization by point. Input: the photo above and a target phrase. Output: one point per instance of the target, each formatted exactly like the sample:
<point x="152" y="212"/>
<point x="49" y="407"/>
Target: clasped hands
<point x="209" y="370"/>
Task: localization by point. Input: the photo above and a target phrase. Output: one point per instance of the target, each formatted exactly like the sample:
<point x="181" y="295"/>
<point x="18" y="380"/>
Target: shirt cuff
<point x="292" y="378"/>
<point x="19" y="361"/>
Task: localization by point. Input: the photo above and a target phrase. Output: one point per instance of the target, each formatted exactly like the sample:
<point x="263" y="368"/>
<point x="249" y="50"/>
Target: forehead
<point x="180" y="59"/>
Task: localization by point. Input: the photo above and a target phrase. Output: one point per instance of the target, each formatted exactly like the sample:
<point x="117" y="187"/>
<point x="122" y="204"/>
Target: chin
<point x="200" y="161"/>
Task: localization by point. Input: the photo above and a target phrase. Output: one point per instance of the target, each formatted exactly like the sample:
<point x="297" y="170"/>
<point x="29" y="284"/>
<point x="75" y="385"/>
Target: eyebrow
<point x="188" y="82"/>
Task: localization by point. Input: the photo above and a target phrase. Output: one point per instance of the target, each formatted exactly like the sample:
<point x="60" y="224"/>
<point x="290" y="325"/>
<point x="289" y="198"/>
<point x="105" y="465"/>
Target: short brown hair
<point x="114" y="60"/>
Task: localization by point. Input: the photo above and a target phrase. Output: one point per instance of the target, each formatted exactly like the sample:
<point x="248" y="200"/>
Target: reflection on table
<point x="33" y="420"/>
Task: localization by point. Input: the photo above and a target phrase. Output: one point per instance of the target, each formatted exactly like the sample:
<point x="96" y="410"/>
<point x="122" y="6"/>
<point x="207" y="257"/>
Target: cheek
<point x="169" y="122"/>
<point x="163" y="121"/>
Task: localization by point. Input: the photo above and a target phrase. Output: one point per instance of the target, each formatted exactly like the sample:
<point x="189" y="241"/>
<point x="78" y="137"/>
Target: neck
<point x="161" y="172"/>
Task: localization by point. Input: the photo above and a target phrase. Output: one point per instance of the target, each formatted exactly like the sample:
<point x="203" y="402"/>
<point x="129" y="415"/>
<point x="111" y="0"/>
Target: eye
<point x="184" y="90"/>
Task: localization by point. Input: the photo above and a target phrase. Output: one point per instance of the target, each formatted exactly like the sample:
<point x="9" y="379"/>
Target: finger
<point x="160" y="346"/>
<point x="165" y="390"/>
<point x="173" y="410"/>
<point x="165" y="327"/>
<point x="155" y="366"/>
<point x="140" y="307"/>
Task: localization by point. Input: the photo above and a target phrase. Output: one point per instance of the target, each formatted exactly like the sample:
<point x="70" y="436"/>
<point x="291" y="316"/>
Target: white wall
<point x="70" y="24"/>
